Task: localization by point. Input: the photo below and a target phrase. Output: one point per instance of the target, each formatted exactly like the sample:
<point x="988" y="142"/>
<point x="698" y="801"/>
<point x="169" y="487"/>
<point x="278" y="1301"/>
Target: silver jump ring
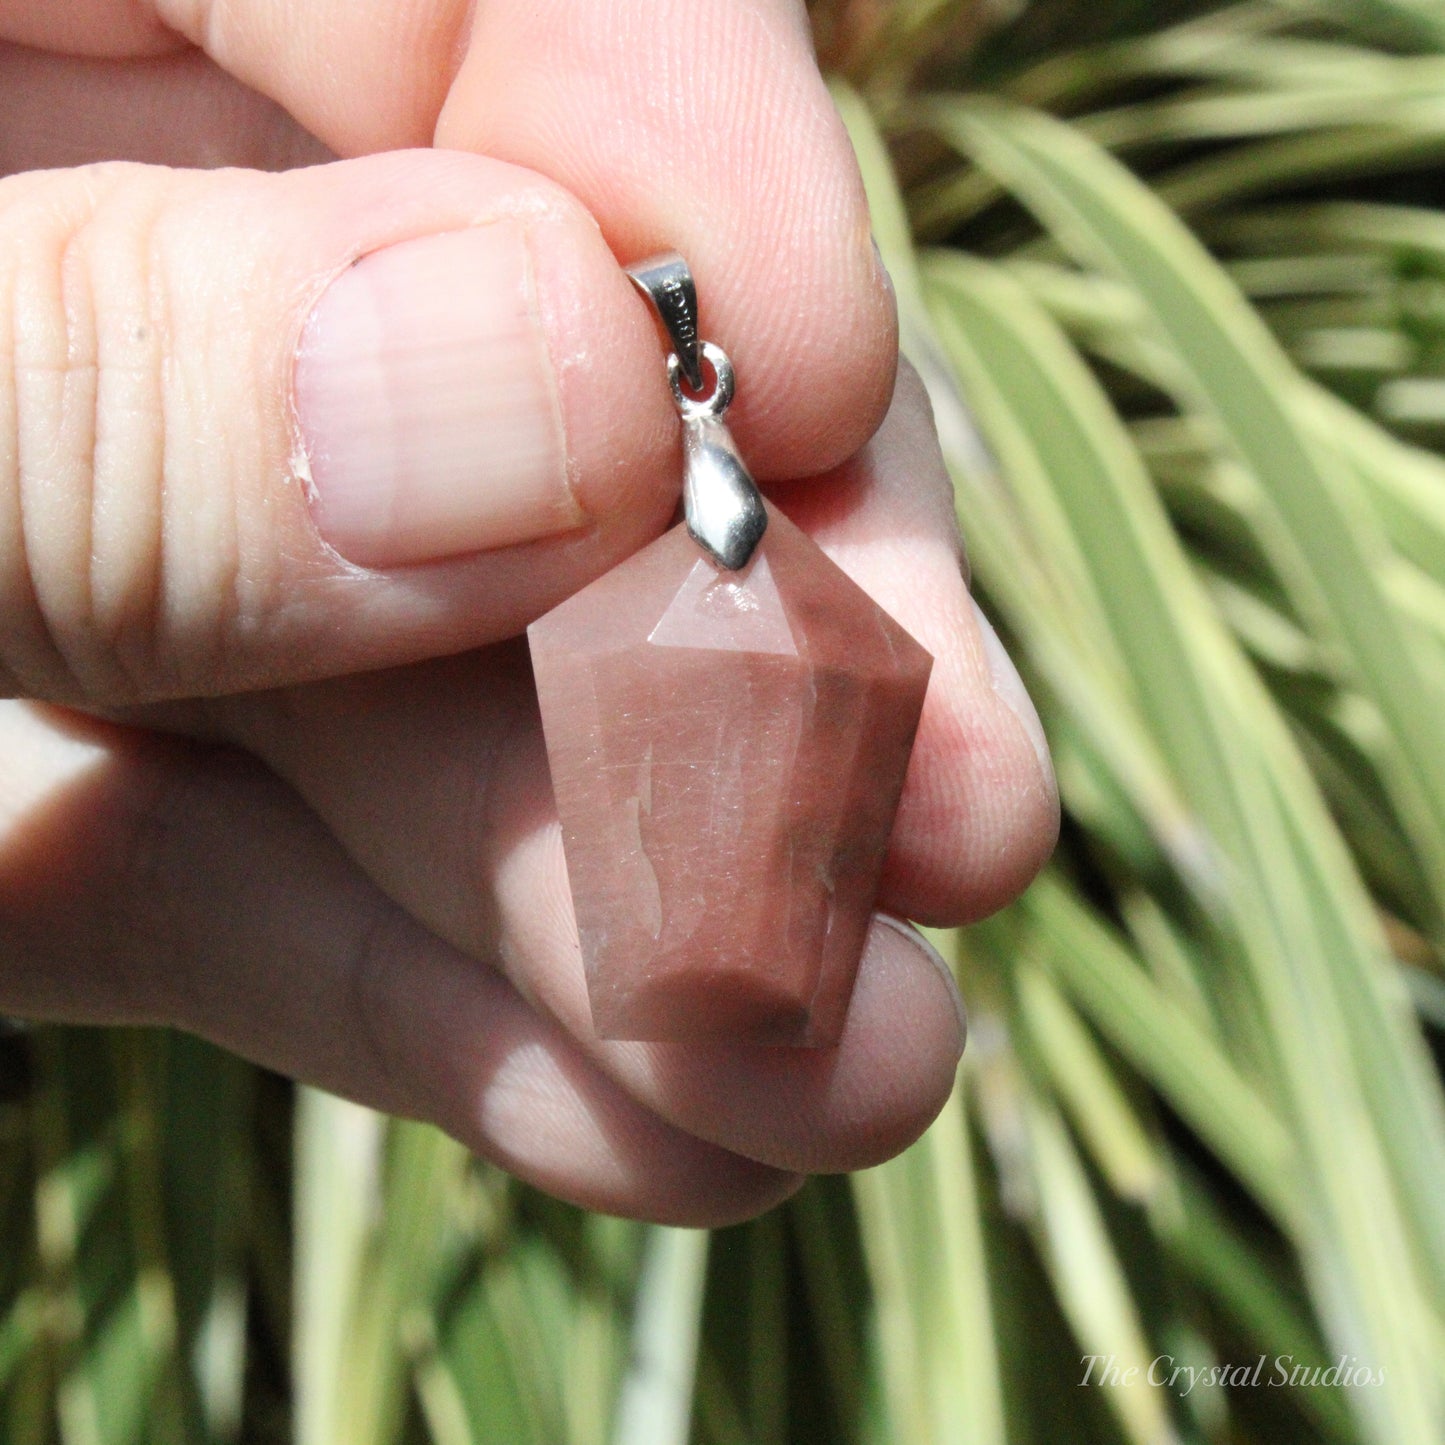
<point x="718" y="400"/>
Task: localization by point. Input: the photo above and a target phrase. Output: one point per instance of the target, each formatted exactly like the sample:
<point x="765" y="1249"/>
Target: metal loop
<point x="718" y="400"/>
<point x="724" y="510"/>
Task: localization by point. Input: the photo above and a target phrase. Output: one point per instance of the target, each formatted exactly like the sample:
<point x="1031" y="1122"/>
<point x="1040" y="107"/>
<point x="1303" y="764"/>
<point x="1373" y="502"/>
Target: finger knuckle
<point x="82" y="430"/>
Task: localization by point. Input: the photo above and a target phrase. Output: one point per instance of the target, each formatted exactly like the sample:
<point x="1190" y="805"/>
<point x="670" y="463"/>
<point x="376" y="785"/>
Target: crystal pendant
<point x="728" y="720"/>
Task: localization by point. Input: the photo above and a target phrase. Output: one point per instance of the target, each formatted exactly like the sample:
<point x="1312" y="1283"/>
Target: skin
<point x="302" y="808"/>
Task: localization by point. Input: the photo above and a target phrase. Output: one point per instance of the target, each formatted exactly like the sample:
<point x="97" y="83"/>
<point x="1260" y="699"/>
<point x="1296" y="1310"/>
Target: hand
<point x="273" y="444"/>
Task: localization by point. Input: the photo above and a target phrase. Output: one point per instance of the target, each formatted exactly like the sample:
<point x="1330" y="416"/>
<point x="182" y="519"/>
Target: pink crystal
<point x="727" y="751"/>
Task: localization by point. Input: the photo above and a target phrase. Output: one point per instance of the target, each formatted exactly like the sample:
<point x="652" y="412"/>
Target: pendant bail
<point x="721" y="502"/>
<point x="666" y="281"/>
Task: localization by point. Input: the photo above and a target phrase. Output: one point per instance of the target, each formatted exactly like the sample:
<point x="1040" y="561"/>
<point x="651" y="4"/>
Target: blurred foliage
<point x="1175" y="277"/>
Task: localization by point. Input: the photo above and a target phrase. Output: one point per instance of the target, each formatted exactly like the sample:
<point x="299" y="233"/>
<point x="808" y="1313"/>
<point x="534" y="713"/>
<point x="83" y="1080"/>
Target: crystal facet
<point x="727" y="750"/>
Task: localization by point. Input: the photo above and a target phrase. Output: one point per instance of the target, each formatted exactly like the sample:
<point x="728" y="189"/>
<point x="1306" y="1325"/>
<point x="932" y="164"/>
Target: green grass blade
<point x="1166" y="1046"/>
<point x="920" y="1216"/>
<point x="338" y="1164"/>
<point x="1089" y="1279"/>
<point x="1085" y="1085"/>
<point x="101" y="1237"/>
<point x="205" y="1097"/>
<point x="656" y="1401"/>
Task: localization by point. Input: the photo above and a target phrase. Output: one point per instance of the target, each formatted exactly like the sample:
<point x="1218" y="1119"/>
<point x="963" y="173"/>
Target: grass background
<point x="1175" y="276"/>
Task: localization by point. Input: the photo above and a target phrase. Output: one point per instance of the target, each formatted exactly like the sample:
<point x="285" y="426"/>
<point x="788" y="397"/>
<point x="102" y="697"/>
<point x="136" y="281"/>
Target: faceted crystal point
<point x="727" y="751"/>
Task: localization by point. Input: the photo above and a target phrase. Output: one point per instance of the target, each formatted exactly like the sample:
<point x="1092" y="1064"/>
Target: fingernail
<point x="1009" y="687"/>
<point x="427" y="403"/>
<point x="921" y="942"/>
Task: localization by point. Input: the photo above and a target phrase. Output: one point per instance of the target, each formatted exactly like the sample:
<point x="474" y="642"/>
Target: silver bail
<point x="721" y="502"/>
<point x="667" y="282"/>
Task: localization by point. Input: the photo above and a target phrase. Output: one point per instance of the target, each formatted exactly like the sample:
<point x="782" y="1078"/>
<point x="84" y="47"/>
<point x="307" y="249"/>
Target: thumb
<point x="260" y="428"/>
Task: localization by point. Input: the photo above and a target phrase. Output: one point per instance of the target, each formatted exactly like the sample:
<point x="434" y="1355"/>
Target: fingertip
<point x="715" y="1198"/>
<point x="822" y="1111"/>
<point x="984" y="774"/>
<point x="814" y="329"/>
<point x="979" y="815"/>
<point x="689" y="159"/>
<point x="899" y="1055"/>
<point x="941" y="967"/>
<point x="546" y="1115"/>
<point x="979" y="812"/>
